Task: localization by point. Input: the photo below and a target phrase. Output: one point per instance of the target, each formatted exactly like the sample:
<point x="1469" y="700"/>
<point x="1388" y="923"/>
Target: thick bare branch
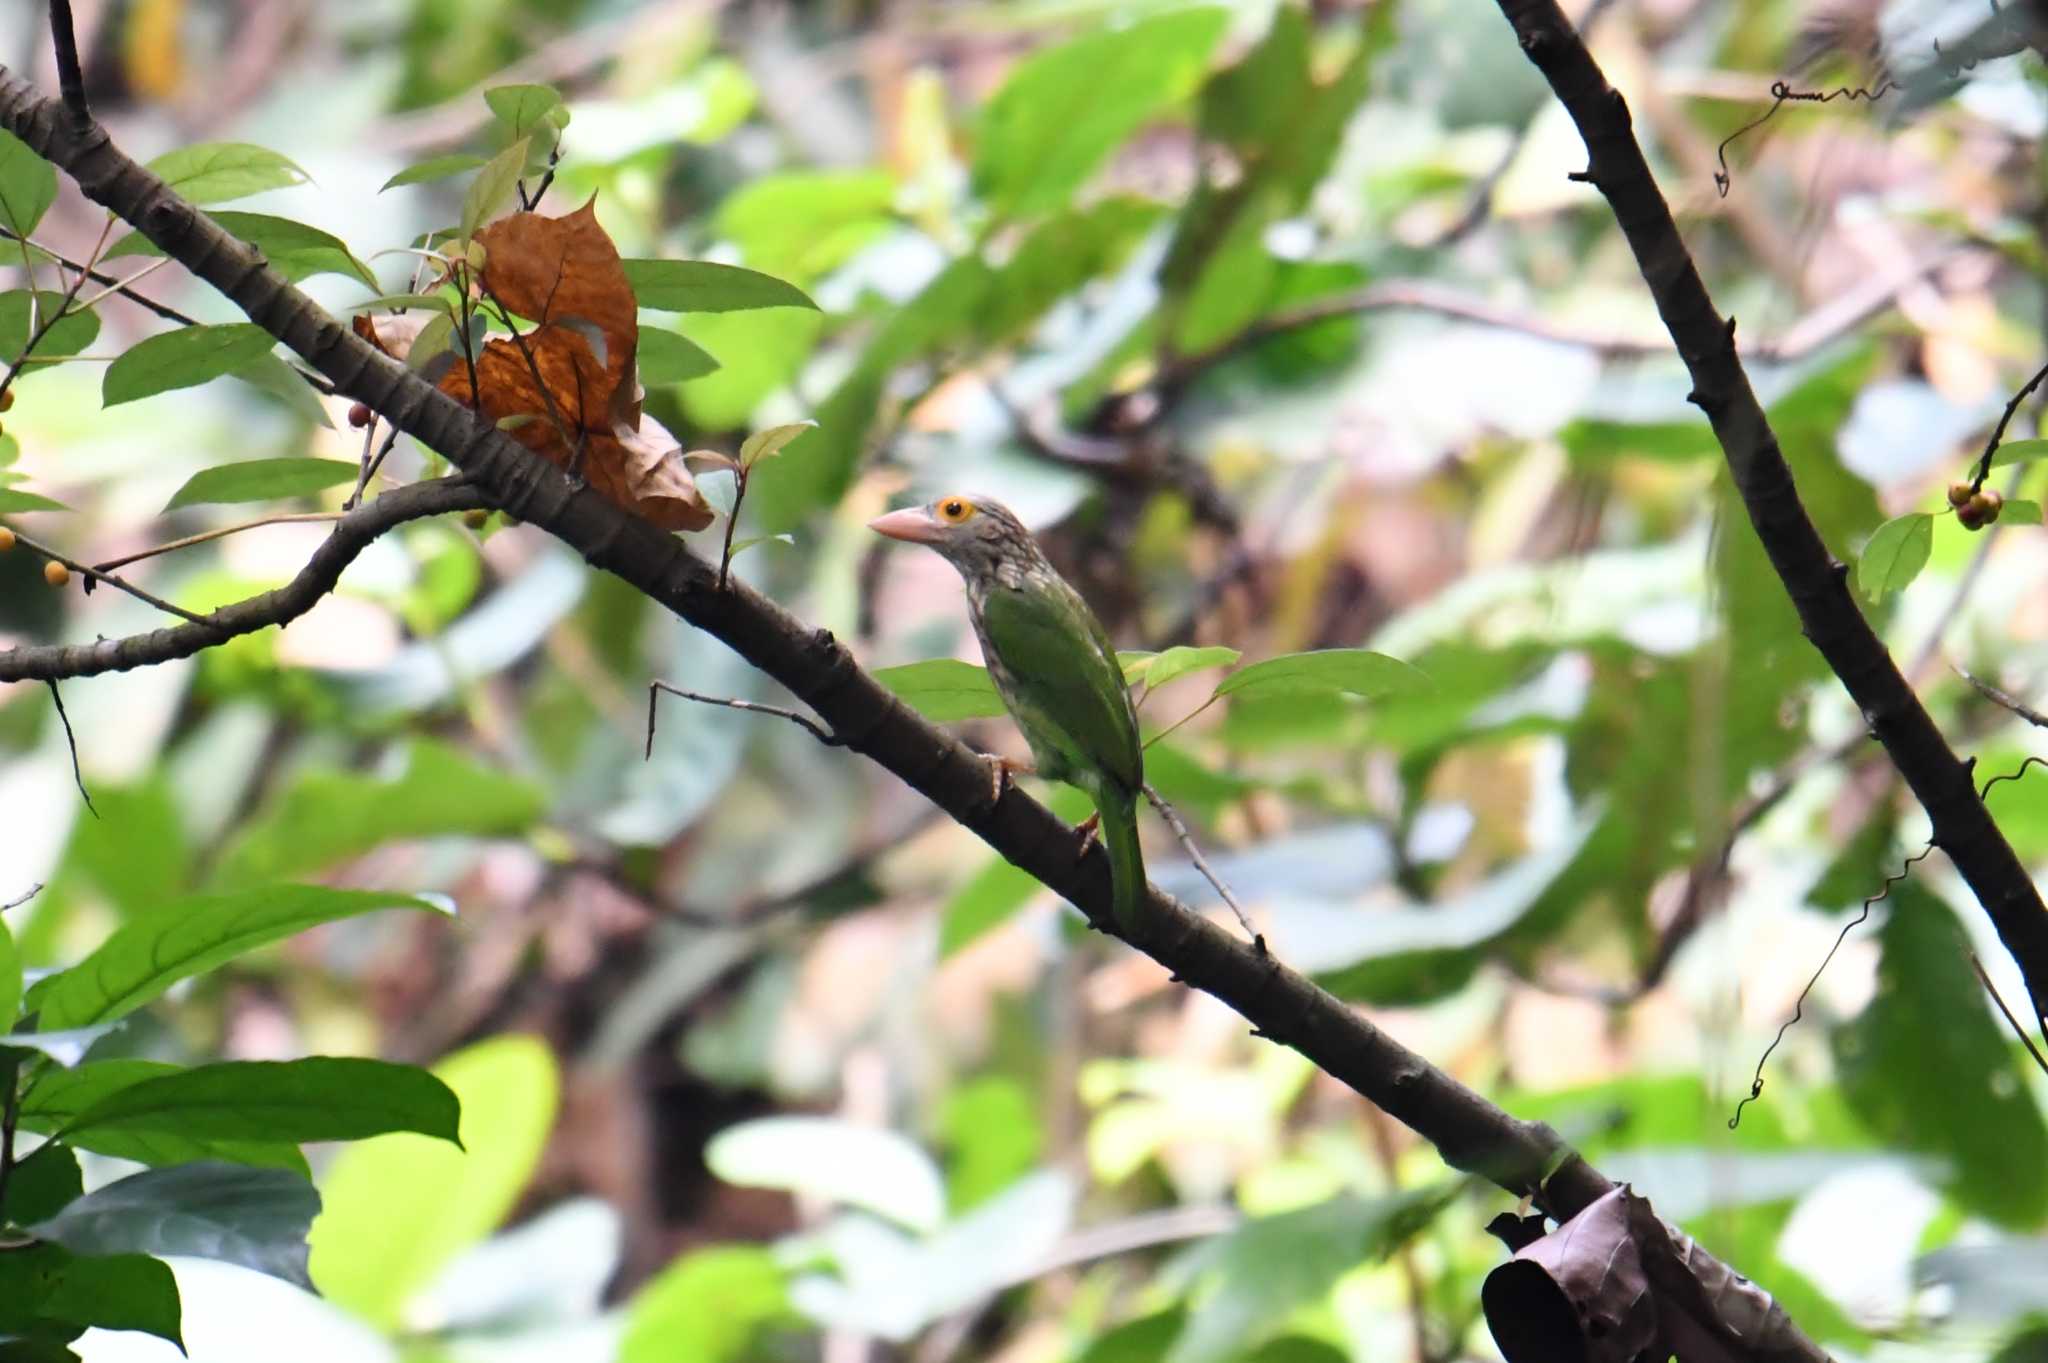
<point x="1526" y="1158"/>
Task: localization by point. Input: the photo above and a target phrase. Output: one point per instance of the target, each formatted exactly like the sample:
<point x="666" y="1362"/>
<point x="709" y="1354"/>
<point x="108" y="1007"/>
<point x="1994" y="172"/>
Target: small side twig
<point x="169" y="314"/>
<point x="2012" y="406"/>
<point x="70" y="75"/>
<point x="2005" y="1012"/>
<point x="1187" y="842"/>
<point x="370" y="464"/>
<point x="77" y="774"/>
<point x="655" y="688"/>
<point x="92" y="575"/>
<point x="1998" y="697"/>
<point x="30" y="893"/>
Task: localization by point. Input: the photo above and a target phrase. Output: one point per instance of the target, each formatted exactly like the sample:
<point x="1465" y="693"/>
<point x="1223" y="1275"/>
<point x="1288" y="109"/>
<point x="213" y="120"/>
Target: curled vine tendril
<point x="1782" y="94"/>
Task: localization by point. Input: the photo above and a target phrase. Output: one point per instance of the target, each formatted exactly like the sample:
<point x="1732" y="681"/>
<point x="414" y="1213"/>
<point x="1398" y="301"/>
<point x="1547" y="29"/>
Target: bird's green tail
<point x="1119" y="829"/>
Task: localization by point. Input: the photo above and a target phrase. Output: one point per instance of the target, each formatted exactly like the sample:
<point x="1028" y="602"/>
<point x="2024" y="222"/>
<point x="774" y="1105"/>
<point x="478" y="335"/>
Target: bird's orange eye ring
<point x="954" y="510"/>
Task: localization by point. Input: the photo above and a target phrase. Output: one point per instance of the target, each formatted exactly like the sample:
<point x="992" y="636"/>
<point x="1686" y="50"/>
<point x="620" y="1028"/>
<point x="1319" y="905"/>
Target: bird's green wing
<point x="1061" y="661"/>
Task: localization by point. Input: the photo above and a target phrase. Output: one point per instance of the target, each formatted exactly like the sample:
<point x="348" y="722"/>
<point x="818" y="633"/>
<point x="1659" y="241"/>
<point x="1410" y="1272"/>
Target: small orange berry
<point x="6" y="539"/>
<point x="476" y="519"/>
<point x="6" y="400"/>
<point x="55" y="573"/>
<point x="1959" y="493"/>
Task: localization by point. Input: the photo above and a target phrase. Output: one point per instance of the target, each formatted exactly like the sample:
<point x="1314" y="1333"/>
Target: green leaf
<point x="13" y="501"/>
<point x="10" y="979"/>
<point x="42" y="1185"/>
<point x="57" y="1096"/>
<point x="1064" y="108"/>
<point x="2020" y="512"/>
<point x="534" y="114"/>
<point x="214" y="172"/>
<point x="1057" y="258"/>
<point x="943" y="689"/>
<point x="769" y="443"/>
<point x="702" y="286"/>
<point x="28" y="186"/>
<point x="1895" y="554"/>
<point x="261" y="480"/>
<point x="286" y="383"/>
<point x="994" y="894"/>
<point x="666" y="357"/>
<point x="493" y="187"/>
<point x="1352" y="671"/>
<point x="319" y="1098"/>
<point x="803" y="224"/>
<point x="324" y="817"/>
<point x="150" y="953"/>
<point x="182" y="359"/>
<point x="1927" y="1030"/>
<point x="706" y="1307"/>
<point x="1180" y="660"/>
<point x="434" y="168"/>
<point x="73" y="334"/>
<point x="1272" y="1266"/>
<point x="837" y="1161"/>
<point x="257" y="1218"/>
<point x="2019" y="452"/>
<point x="42" y="1284"/>
<point x="397" y="1208"/>
<point x="66" y="1047"/>
<point x="993" y="1137"/>
<point x="294" y="249"/>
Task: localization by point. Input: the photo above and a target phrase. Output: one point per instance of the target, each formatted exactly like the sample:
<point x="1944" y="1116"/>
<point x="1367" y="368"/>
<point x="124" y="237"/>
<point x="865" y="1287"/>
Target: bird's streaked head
<point x="978" y="536"/>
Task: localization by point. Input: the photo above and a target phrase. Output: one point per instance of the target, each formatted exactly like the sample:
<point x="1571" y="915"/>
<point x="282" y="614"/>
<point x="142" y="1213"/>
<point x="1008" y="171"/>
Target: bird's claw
<point x="1087" y="828"/>
<point x="1002" y="774"/>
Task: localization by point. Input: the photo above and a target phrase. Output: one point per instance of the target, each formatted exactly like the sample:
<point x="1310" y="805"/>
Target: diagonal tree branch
<point x="54" y="662"/>
<point x="1526" y="1158"/>
<point x="1816" y="581"/>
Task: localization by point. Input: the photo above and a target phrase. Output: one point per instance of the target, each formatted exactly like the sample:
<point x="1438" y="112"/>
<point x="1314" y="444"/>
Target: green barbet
<point x="1052" y="664"/>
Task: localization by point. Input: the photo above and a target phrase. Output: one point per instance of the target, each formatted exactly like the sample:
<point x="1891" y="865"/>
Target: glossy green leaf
<point x="70" y="335"/>
<point x="702" y="286"/>
<point x="526" y="109"/>
<point x="44" y="1284"/>
<point x="397" y="1208"/>
<point x="943" y="689"/>
<point x="1927" y="1029"/>
<point x="257" y="1218"/>
<point x="13" y="501"/>
<point x="150" y="953"/>
<point x="837" y="1161"/>
<point x="2020" y="512"/>
<point x="666" y="357"/>
<point x="28" y="186"/>
<point x="57" y="1096"/>
<point x="434" y="168"/>
<point x="771" y="442"/>
<point x="215" y="172"/>
<point x="42" y="1185"/>
<point x="323" y="816"/>
<point x="1180" y="660"/>
<point x="706" y="1307"/>
<point x="295" y="249"/>
<point x="1895" y="554"/>
<point x="492" y="189"/>
<point x="319" y="1098"/>
<point x="1063" y="109"/>
<point x="182" y="359"/>
<point x="285" y="382"/>
<point x="2019" y="451"/>
<point x="1351" y="671"/>
<point x="261" y="480"/>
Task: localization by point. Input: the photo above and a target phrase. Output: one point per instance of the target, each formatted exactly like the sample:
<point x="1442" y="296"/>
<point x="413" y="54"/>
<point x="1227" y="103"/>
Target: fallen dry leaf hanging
<point x="568" y="382"/>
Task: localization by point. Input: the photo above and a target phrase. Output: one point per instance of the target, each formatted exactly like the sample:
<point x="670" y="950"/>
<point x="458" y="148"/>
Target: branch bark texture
<point x="1816" y="581"/>
<point x="1525" y="1158"/>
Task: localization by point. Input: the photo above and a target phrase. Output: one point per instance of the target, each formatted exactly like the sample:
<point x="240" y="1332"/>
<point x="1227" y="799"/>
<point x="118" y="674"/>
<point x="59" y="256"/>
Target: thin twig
<point x="370" y="465"/>
<point x="655" y="688"/>
<point x="2004" y="420"/>
<point x="30" y="893"/>
<point x="1998" y="697"/>
<point x="71" y="739"/>
<point x="293" y="518"/>
<point x="2010" y="1020"/>
<point x="732" y="521"/>
<point x="169" y="314"/>
<point x="92" y="574"/>
<point x="43" y="326"/>
<point x="1187" y="842"/>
